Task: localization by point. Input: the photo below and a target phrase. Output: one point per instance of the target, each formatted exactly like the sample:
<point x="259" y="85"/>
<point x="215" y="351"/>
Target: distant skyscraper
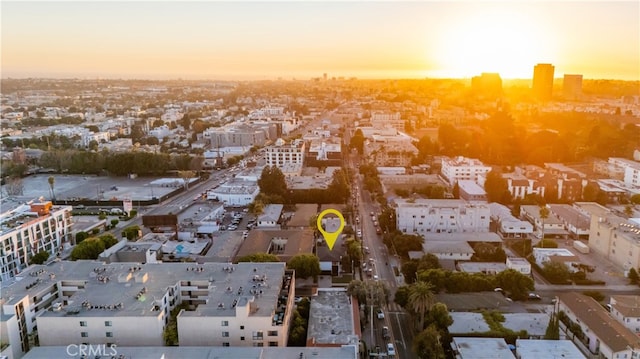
<point x="572" y="86"/>
<point x="324" y="76"/>
<point x="543" y="81"/>
<point x="488" y="84"/>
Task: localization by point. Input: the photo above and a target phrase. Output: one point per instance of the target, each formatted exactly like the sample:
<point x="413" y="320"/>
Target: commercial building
<point x="616" y="239"/>
<point x="604" y="336"/>
<point x="543" y="81"/>
<point x="129" y="304"/>
<point x="235" y="193"/>
<point x="461" y="168"/>
<point x="29" y="229"/>
<point x="481" y="348"/>
<point x="424" y="216"/>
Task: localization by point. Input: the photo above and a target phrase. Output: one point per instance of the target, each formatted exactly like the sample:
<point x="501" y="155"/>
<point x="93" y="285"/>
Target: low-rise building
<point x="425" y="216"/>
<point x="509" y="226"/>
<point x="481" y="348"/>
<point x="333" y="319"/>
<point x="461" y="168"/>
<point x="560" y="255"/>
<point x="129" y="304"/>
<point x="540" y="348"/>
<point x="519" y="264"/>
<point x="626" y="309"/>
<point x="235" y="193"/>
<point x="270" y="216"/>
<point x="604" y="336"/>
<point x="471" y="191"/>
<point x="284" y="244"/>
<point x="553" y="226"/>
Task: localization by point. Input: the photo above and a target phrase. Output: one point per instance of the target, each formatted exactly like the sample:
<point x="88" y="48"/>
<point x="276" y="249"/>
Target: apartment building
<point x="626" y="310"/>
<point x="129" y="304"/>
<point x="553" y="226"/>
<point x="423" y="216"/>
<point x="631" y="170"/>
<point x="617" y="239"/>
<point x="288" y="158"/>
<point x="509" y="226"/>
<point x="29" y="229"/>
<point x="461" y="168"/>
<point x="604" y="336"/>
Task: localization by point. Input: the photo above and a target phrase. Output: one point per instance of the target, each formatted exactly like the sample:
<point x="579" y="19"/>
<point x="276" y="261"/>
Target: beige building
<point x="129" y="304"/>
<point x="626" y="310"/>
<point x="425" y="216"/>
<point x="288" y="158"/>
<point x="617" y="239"/>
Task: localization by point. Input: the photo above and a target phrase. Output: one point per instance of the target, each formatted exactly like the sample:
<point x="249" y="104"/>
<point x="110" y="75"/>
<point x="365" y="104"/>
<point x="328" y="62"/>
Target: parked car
<point x="380" y="314"/>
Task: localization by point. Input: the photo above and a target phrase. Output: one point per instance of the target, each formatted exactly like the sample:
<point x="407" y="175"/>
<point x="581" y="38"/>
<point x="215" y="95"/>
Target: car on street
<point x="391" y="351"/>
<point x="380" y="314"/>
<point x="359" y="233"/>
<point x="385" y="333"/>
<point x="534" y="296"/>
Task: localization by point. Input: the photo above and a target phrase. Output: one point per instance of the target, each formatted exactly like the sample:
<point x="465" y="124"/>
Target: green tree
<point x="256" y="207"/>
<point x="497" y="188"/>
<point x="556" y="273"/>
<point x="108" y="240"/>
<point x="259" y="257"/>
<point x="114" y="222"/>
<point x="544" y="214"/>
<point x="456" y="191"/>
<point x="405" y="243"/>
<point x="402" y="296"/>
<point x="186" y="177"/>
<point x="339" y="187"/>
<point x="515" y="283"/>
<point x="427" y="344"/>
<point x="272" y="182"/>
<point x="635" y="199"/>
<point x="81" y="236"/>
<point x="39" y="257"/>
<point x="357" y="141"/>
<point x="421" y="300"/>
<point x="439" y="317"/>
<point x="305" y="265"/>
<point x="553" y="328"/>
<point x="131" y="232"/>
<point x="354" y="250"/>
<point x="90" y="248"/>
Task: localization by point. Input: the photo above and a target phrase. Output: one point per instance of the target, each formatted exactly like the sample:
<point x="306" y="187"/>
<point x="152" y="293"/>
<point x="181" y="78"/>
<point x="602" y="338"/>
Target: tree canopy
<point x="259" y="257"/>
<point x="305" y="265"/>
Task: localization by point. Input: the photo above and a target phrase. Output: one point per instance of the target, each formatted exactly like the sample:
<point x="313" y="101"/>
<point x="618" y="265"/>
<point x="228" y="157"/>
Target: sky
<point x="301" y="39"/>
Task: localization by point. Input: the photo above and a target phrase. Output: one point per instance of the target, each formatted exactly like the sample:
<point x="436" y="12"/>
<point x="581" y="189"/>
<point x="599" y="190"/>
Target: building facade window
<point x="84" y="334"/>
<point x="109" y="334"/>
<point x="273" y="333"/>
<point x="83" y="324"/>
<point x="108" y="323"/>
<point x="225" y="334"/>
<point x="225" y="323"/>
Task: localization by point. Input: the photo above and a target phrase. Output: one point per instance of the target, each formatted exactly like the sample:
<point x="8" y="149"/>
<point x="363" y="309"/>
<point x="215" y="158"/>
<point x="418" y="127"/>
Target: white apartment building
<point x="387" y="120"/>
<point x="29" y="229"/>
<point x="288" y="158"/>
<point x="129" y="304"/>
<point x="617" y="239"/>
<point x="160" y="132"/>
<point x="461" y="168"/>
<point x="423" y="216"/>
<point x="519" y="264"/>
<point x="93" y="136"/>
<point x="626" y="310"/>
<point x="631" y="170"/>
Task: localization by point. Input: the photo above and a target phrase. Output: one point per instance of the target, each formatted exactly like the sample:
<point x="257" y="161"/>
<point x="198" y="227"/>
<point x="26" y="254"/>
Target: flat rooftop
<point x="463" y="237"/>
<point x="331" y="318"/>
<point x="128" y="289"/>
<point x="302" y="215"/>
<point x="536" y="349"/>
<point x="482" y="348"/>
<point x="284" y="243"/>
<point x="346" y="352"/>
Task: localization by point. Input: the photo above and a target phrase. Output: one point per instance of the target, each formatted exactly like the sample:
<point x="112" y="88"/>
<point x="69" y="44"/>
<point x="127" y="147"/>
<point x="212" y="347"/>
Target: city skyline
<point x="257" y="40"/>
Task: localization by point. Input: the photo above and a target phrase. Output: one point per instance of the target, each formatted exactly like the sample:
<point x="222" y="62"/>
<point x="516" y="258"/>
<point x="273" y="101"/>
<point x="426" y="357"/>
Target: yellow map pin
<point x="330" y="238"/>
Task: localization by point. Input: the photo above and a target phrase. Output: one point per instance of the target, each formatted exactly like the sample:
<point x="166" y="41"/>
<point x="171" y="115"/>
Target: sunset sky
<point x="256" y="40"/>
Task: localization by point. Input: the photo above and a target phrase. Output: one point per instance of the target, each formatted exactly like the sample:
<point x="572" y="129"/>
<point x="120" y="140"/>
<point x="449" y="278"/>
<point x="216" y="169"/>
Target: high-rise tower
<point x="543" y="81"/>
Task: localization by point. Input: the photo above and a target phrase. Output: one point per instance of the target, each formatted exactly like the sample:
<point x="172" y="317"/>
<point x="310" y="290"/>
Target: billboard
<point x="162" y="220"/>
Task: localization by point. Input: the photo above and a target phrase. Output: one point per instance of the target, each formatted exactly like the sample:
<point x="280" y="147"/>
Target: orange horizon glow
<point x="241" y="40"/>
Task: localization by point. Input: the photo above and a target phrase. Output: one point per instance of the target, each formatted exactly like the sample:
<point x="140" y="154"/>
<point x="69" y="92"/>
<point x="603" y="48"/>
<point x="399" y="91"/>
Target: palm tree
<point x="421" y="300"/>
<point x="544" y="214"/>
<point x="52" y="183"/>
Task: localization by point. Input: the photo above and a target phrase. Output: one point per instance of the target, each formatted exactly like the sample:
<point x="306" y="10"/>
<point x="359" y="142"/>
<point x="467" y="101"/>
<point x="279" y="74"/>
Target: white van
<point x="116" y="211"/>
